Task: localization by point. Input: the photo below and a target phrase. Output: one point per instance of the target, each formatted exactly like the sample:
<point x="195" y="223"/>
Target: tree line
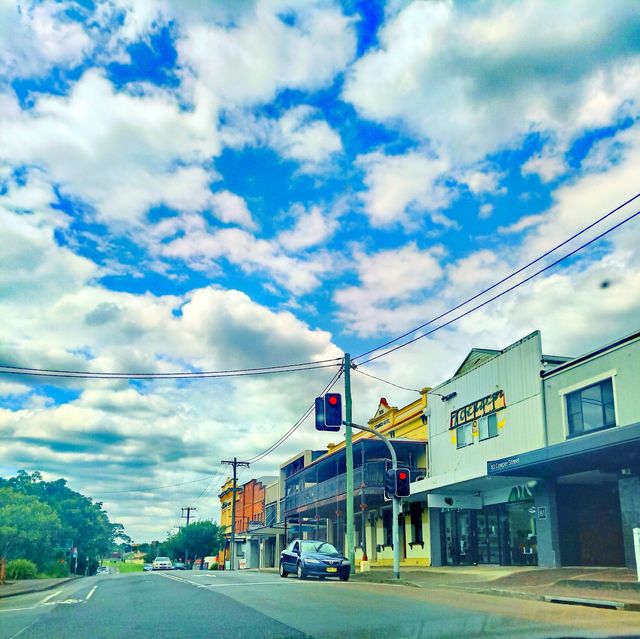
<point x="196" y="541"/>
<point x="43" y="520"/>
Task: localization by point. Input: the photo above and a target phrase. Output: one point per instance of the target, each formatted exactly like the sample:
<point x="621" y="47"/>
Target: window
<point x="464" y="435"/>
<point x="387" y="523"/>
<point x="591" y="408"/>
<point x="488" y="426"/>
<point x="416" y="523"/>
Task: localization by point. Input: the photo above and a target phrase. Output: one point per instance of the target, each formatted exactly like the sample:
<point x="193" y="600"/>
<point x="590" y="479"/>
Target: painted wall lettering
<point x="480" y="408"/>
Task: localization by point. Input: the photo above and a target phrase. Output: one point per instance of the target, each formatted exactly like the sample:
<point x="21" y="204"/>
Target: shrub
<point x="21" y="569"/>
<point x="213" y="566"/>
<point x="58" y="568"/>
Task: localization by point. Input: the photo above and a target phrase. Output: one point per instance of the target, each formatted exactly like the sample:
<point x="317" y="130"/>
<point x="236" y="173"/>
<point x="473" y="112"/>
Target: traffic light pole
<point x="351" y="551"/>
<point x="395" y="532"/>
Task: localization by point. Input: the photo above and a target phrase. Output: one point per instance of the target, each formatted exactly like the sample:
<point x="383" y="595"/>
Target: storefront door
<point x="489" y="527"/>
<point x="458" y="537"/>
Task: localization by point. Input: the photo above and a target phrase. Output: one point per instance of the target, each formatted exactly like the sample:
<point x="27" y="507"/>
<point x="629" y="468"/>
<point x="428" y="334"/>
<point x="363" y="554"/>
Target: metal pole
<point x="233" y="517"/>
<point x="351" y="552"/>
<point x="235" y="463"/>
<point x="395" y="531"/>
<point x="636" y="548"/>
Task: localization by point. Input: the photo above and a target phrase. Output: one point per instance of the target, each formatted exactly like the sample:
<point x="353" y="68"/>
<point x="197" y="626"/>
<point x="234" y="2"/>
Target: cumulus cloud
<point x="115" y="149"/>
<point x="37" y="36"/>
<point x="392" y="286"/>
<point x="475" y="78"/>
<point x="251" y="61"/>
<point x="399" y="186"/>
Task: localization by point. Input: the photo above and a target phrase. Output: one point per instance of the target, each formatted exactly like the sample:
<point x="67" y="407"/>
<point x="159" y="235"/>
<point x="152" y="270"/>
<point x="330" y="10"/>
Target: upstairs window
<point x="591" y="408"/>
<point x="488" y="426"/>
<point x="464" y="435"/>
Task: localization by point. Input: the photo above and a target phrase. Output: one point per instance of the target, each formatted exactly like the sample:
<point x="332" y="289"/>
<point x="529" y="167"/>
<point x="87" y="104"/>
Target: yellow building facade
<point x="407" y="427"/>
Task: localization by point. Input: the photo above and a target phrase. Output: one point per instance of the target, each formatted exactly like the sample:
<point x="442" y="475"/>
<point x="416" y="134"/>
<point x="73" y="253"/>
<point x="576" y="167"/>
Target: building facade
<point x="491" y="408"/>
<point x="315" y="498"/>
<point x="589" y="465"/>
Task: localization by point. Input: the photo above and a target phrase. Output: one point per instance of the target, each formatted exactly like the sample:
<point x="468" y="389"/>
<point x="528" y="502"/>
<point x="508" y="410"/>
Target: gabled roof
<point x="475" y="358"/>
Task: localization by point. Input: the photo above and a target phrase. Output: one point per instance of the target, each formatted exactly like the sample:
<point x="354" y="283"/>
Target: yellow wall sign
<point x="476" y="410"/>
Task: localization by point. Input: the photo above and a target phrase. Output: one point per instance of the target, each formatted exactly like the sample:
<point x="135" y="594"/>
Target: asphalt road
<point x="262" y="605"/>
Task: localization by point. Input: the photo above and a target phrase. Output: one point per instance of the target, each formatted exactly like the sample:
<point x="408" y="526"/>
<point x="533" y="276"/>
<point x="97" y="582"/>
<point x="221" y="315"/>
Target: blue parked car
<point x="306" y="558"/>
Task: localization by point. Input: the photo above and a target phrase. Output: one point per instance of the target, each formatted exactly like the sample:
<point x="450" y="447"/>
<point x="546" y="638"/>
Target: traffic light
<point x="333" y="409"/>
<point x="329" y="412"/>
<point x="390" y="484"/>
<point x="403" y="482"/>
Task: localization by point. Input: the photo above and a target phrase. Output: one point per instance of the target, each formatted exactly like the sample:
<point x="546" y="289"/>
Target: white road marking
<point x="53" y="594"/>
<point x="246" y="583"/>
<point x="90" y="594"/>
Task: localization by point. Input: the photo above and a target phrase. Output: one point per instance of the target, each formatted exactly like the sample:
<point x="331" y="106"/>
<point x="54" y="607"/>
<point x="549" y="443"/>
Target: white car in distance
<point x="162" y="563"/>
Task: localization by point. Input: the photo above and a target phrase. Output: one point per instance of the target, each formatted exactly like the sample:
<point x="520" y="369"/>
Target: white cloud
<point x="402" y="185"/>
<point x="312" y="227"/>
<point x="231" y="208"/>
<point x="249" y="62"/>
<point x="548" y="165"/>
<point x="300" y="134"/>
<point x="392" y="287"/>
<point x="116" y="150"/>
<point x="201" y="248"/>
<point x="485" y="211"/>
<point x="473" y="78"/>
<point x="36" y="36"/>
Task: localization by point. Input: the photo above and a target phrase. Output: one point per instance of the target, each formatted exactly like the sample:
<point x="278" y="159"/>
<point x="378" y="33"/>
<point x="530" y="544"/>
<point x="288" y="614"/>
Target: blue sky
<point x="203" y="186"/>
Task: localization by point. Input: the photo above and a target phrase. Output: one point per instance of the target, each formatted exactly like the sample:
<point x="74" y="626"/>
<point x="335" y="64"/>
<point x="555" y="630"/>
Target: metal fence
<point x="372" y="474"/>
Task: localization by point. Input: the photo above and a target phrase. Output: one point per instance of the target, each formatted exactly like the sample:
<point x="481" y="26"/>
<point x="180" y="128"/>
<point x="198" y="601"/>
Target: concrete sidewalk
<point x="602" y="587"/>
<point x="25" y="586"/>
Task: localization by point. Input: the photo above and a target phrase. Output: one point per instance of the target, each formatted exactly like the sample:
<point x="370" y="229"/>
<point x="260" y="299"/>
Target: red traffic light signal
<point x="329" y="412"/>
<point x="333" y="409"/>
<point x="403" y="482"/>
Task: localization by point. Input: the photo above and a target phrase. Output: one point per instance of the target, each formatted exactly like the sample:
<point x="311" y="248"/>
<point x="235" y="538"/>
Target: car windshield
<point x="355" y="277"/>
<point x="318" y="546"/>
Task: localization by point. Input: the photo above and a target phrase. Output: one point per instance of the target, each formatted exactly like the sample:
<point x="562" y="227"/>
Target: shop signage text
<point x="476" y="410"/>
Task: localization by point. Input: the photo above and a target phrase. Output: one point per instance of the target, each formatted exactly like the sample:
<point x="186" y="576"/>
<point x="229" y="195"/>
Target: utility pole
<point x="235" y="463"/>
<point x="188" y="509"/>
<point x="351" y="552"/>
<point x="186" y="550"/>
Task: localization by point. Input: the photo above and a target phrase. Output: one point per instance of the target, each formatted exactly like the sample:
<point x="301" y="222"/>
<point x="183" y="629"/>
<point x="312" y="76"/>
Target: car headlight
<point x="309" y="560"/>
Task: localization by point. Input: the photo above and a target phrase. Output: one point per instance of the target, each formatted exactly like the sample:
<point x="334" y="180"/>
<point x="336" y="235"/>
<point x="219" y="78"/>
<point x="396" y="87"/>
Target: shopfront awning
<point x="608" y="450"/>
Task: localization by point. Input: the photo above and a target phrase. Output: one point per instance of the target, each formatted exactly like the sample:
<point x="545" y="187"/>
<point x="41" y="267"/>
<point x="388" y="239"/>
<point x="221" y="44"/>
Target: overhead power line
<point x="504" y="279"/>
<point x="495" y="297"/>
<point x="240" y="372"/>
<point x="298" y="423"/>
<point x="385" y="381"/>
<point x="150" y="489"/>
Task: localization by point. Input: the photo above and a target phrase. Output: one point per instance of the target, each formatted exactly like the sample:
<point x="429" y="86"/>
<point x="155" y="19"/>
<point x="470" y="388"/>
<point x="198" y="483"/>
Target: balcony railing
<point x="371" y="474"/>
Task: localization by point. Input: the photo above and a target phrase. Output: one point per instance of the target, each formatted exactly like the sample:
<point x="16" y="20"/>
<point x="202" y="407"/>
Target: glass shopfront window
<point x="523" y="543"/>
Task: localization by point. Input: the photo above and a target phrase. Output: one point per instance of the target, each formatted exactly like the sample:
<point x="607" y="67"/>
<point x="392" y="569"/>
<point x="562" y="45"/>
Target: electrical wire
<point x="297" y="424"/>
<point x="508" y="290"/>
<point x="386" y="381"/>
<point x="291" y="368"/>
<point x="152" y="488"/>
<point x="502" y="281"/>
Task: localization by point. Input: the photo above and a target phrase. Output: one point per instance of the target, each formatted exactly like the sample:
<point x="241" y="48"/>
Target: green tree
<point x="197" y="540"/>
<point x="29" y="528"/>
<point x="80" y="519"/>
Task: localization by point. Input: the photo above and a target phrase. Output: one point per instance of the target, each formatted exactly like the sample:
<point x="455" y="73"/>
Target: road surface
<point x="262" y="605"/>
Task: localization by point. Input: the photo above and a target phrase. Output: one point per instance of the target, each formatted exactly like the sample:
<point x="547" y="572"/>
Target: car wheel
<point x="300" y="571"/>
<point x="344" y="577"/>
<point x="283" y="572"/>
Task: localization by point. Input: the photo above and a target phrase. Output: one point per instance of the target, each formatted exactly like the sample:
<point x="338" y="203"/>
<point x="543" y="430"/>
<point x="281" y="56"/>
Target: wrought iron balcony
<point x="369" y="477"/>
